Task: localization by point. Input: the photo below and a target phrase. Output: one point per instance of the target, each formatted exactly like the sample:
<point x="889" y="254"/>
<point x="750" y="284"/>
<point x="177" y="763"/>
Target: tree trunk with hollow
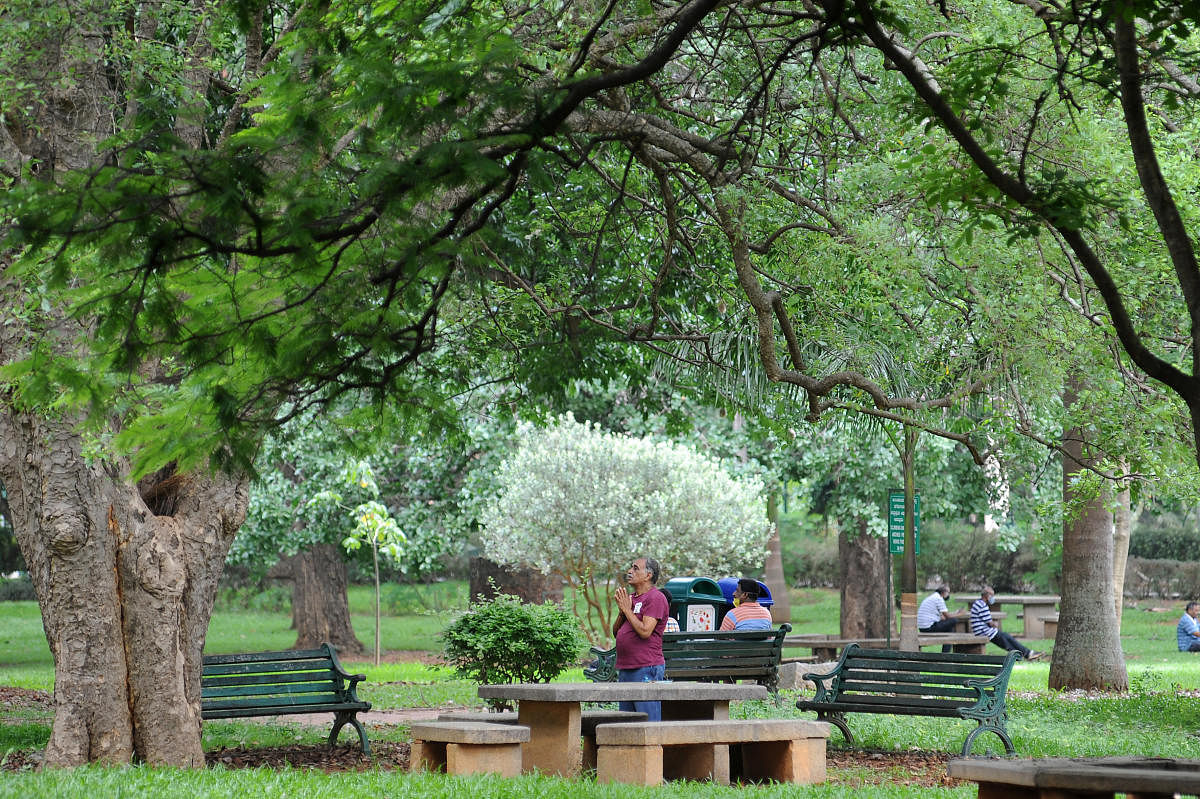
<point x="125" y="577"/>
<point x="865" y="596"/>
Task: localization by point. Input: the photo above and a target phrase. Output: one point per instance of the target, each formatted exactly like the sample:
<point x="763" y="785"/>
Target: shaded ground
<point x="848" y="767"/>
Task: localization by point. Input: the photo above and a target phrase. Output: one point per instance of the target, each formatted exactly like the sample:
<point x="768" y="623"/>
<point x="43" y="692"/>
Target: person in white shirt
<point x="934" y="617"/>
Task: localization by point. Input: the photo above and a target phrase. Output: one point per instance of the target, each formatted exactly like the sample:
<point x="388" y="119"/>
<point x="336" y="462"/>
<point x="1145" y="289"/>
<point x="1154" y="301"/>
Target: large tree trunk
<point x="1087" y="648"/>
<point x="862" y="563"/>
<point x="125" y="578"/>
<point x="320" y="610"/>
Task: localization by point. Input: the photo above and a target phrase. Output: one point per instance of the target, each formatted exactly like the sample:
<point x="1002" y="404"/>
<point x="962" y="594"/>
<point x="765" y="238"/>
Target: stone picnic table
<point x="1033" y="608"/>
<point x="552" y="712"/>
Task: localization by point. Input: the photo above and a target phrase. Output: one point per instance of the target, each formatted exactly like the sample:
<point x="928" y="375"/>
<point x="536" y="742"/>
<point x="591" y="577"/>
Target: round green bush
<point x="506" y="640"/>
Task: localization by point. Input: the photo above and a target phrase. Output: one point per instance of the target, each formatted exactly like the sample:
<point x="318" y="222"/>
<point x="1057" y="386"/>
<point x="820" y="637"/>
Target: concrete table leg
<point x="1034" y="626"/>
<point x="554" y="737"/>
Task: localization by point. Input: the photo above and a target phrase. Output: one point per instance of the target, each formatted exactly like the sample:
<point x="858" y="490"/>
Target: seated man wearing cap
<point x="746" y="613"/>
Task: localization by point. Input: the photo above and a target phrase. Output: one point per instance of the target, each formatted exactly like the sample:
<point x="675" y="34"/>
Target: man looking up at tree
<point x="642" y="617"/>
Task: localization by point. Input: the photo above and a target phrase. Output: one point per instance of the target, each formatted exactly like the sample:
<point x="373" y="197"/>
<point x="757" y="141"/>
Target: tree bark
<point x="1122" y="530"/>
<point x="773" y="576"/>
<point x="320" y="609"/>
<point x="125" y="577"/>
<point x="864" y="591"/>
<point x="488" y="578"/>
<point x="1087" y="647"/>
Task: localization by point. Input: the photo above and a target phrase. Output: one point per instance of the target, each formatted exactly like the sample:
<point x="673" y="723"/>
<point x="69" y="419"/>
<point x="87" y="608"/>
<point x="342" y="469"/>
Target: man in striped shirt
<point x="746" y="613"/>
<point x="984" y="626"/>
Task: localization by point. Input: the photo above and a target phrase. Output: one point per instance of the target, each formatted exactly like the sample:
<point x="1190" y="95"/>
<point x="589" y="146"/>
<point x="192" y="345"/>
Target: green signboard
<point x="896" y="521"/>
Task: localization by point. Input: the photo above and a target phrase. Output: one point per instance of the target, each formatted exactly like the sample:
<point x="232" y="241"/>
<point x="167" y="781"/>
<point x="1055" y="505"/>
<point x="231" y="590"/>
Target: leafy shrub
<point x="1162" y="578"/>
<point x="506" y="640"/>
<point x="18" y="589"/>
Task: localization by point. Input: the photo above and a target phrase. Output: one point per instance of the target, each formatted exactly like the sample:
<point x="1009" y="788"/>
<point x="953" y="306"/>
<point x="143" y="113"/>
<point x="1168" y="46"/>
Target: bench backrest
<point x="298" y="677"/>
<point x="888" y="677"/>
<point x="749" y="654"/>
<point x="695" y="655"/>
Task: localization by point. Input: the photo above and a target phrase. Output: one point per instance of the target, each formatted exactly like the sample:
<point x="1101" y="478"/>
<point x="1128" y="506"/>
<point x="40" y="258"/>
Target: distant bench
<point x="888" y="681"/>
<point x="282" y="683"/>
<point x="710" y="656"/>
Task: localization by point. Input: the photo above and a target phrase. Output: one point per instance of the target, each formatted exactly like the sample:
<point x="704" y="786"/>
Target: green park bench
<point x="282" y="683"/>
<point x="710" y="656"/>
<point x="951" y="685"/>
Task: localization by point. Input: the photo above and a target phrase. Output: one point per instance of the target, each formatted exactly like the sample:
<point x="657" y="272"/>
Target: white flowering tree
<point x="580" y="502"/>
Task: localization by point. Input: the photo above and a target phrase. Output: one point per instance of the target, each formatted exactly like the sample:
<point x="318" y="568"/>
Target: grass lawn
<point x="1157" y="717"/>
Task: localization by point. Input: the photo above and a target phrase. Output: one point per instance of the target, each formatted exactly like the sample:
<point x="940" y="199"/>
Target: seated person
<point x="983" y="625"/>
<point x="934" y="617"/>
<point x="746" y="613"/>
<point x="1187" y="632"/>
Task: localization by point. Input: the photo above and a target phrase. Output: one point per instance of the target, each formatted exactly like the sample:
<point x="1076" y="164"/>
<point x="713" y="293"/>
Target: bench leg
<point x="800" y="761"/>
<point x="989" y="725"/>
<point x="838" y="720"/>
<point x="343" y="718"/>
<point x="640" y="765"/>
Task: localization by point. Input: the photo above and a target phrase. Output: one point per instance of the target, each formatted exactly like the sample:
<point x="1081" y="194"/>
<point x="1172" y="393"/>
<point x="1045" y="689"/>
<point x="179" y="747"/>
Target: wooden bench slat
<point x="254" y="657"/>
<point x="896" y="710"/>
<point x="717" y="663"/>
<point x="220" y="703"/>
<point x="985" y="671"/>
<point x="269" y="679"/>
<point x="273" y="667"/>
<point x="934" y="657"/>
<point x="853" y="686"/>
<point x="277" y="710"/>
<point x="288" y="689"/>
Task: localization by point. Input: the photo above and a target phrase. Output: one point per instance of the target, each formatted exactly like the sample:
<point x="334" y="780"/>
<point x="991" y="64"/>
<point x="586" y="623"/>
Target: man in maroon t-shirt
<point x="639" y="629"/>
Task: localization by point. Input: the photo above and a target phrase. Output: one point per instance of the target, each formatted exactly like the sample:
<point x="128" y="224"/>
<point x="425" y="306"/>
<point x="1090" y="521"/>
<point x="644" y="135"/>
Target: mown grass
<point x="1155" y="718"/>
<point x="133" y="782"/>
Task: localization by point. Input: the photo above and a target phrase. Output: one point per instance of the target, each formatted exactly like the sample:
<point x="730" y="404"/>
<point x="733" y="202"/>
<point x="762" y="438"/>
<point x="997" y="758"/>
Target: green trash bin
<point x="696" y="602"/>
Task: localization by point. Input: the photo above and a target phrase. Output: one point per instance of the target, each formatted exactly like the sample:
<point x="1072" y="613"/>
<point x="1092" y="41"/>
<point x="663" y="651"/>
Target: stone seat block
<point x="468" y="747"/>
<point x="590" y="719"/>
<point x="785" y="750"/>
